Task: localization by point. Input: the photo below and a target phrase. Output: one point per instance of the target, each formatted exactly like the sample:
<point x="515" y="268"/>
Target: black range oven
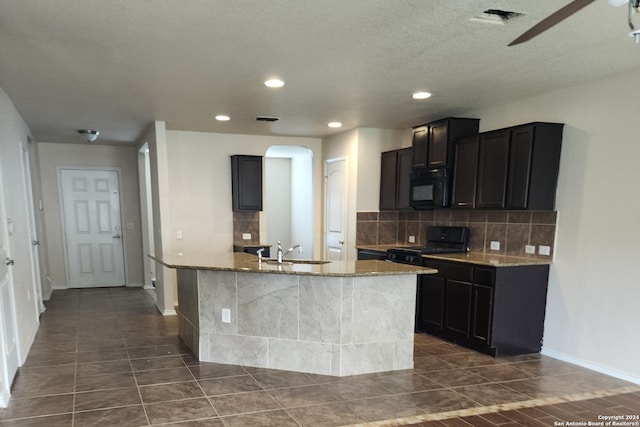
<point x="440" y="240"/>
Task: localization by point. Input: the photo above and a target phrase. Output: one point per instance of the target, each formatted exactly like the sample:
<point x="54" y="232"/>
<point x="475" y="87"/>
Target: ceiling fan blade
<point x="551" y="20"/>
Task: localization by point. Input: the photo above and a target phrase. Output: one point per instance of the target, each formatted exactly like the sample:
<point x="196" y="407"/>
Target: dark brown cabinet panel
<point x="388" y="180"/>
<point x="519" y="167"/>
<point x="246" y="183"/>
<point x="438" y="144"/>
<point x="420" y="144"/>
<point x="431" y="290"/>
<point x="403" y="188"/>
<point x="457" y="309"/>
<point x="395" y="172"/>
<point x="534" y="162"/>
<point x="493" y="161"/>
<point x="482" y="300"/>
<point x="433" y="143"/>
<point x="465" y="171"/>
<point x="498" y="311"/>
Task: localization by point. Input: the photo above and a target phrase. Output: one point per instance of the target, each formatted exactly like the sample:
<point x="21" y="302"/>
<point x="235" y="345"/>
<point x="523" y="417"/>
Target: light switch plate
<point x="246" y="236"/>
<point x="495" y="246"/>
<point x="529" y="249"/>
<point x="179" y="235"/>
<point x="412" y="239"/>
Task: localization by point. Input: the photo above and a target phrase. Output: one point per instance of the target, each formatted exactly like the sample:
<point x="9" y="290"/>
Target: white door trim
<point x="59" y="170"/>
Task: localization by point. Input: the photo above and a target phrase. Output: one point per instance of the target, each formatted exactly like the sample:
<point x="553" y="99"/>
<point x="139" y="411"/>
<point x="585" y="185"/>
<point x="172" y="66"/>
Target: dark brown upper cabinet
<point x="395" y="171"/>
<point x="246" y="183"/>
<point x="433" y="143"/>
<point x="534" y="163"/>
<point x="420" y="143"/>
<point x="493" y="163"/>
<point x="465" y="172"/>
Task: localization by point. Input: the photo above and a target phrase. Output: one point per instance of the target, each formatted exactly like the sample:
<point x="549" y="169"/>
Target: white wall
<point x="594" y="289"/>
<point x="13" y="133"/>
<point x="277" y="201"/>
<point x="199" y="182"/>
<point x="303" y="206"/>
<point x="53" y="156"/>
<point x="166" y="284"/>
<point x="372" y="142"/>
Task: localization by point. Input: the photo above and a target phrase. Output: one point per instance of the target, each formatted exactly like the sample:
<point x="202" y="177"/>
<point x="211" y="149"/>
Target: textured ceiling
<point x="117" y="65"/>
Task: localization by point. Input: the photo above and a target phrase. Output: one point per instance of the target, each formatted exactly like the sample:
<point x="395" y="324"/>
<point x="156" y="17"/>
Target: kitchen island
<point x="336" y="318"/>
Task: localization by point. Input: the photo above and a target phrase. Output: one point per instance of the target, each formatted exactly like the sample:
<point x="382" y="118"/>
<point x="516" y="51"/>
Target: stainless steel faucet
<point x="281" y="254"/>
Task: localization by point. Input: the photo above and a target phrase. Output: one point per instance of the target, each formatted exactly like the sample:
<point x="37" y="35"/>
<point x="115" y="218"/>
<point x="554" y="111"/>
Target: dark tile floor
<point x="106" y="357"/>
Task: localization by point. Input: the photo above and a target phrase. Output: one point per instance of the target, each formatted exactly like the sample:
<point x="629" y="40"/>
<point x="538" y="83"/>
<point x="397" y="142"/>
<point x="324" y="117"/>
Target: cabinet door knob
<point x="36" y="243"/>
<point x="9" y="261"/>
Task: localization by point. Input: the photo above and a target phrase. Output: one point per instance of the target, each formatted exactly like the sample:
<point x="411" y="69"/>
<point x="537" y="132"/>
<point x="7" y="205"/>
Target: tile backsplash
<point x="246" y="222"/>
<point x="513" y="229"/>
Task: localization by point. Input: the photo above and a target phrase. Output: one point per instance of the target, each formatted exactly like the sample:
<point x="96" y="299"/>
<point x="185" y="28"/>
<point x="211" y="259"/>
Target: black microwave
<point x="429" y="189"/>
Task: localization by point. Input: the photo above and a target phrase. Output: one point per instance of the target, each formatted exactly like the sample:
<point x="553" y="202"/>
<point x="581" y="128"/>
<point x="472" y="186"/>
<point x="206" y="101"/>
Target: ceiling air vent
<point x="496" y="16"/>
<point x="267" y="119"/>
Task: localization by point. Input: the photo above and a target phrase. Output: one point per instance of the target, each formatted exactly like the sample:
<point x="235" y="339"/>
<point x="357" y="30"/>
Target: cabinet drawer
<point x="484" y="276"/>
<point x="453" y="271"/>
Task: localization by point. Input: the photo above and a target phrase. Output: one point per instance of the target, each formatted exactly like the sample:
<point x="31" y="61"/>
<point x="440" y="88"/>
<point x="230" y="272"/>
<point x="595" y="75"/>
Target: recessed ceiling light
<point x="274" y="83"/>
<point x="222" y="118"/>
<point x="421" y="95"/>
<point x="334" y="124"/>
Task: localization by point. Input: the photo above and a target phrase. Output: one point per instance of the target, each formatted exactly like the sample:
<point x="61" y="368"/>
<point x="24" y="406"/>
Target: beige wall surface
<point x="199" y="179"/>
<point x="54" y="156"/>
<point x="592" y="304"/>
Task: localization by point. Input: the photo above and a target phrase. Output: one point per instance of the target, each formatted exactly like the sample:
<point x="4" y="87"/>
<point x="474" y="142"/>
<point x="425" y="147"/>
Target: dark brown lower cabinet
<point x="495" y="310"/>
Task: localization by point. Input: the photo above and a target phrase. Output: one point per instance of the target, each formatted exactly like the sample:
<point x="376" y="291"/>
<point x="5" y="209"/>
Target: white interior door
<point x="8" y="335"/>
<point x="335" y="209"/>
<point x="91" y="204"/>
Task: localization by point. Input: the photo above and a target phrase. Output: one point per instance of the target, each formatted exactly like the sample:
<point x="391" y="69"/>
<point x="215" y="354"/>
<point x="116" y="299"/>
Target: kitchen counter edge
<point x="247" y="263"/>
<point x="477" y="258"/>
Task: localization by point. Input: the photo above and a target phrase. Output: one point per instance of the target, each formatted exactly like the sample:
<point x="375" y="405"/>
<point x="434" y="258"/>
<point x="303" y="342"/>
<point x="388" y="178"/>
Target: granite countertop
<point x="243" y="262"/>
<point x="477" y="258"/>
<point x="492" y="260"/>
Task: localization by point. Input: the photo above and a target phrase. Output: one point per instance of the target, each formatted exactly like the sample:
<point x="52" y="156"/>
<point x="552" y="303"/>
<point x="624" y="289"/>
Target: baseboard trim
<point x="166" y="312"/>
<point x="4" y="398"/>
<point x="134" y="285"/>
<point x="592" y="366"/>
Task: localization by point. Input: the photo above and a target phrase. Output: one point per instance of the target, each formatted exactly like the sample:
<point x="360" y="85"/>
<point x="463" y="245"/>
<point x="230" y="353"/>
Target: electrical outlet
<point x="495" y="246"/>
<point x="529" y="249"/>
<point x="246" y="236"/>
<point x="179" y="234"/>
<point x="544" y="250"/>
<point x="226" y="315"/>
<point x="412" y="239"/>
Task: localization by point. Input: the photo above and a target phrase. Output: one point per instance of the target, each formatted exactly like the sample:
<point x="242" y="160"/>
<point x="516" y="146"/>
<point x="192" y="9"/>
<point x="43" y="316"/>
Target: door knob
<point x="36" y="243"/>
<point x="9" y="261"/>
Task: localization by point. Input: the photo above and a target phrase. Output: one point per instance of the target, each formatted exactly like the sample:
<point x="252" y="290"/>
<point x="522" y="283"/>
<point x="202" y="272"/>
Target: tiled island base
<point x="316" y="324"/>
